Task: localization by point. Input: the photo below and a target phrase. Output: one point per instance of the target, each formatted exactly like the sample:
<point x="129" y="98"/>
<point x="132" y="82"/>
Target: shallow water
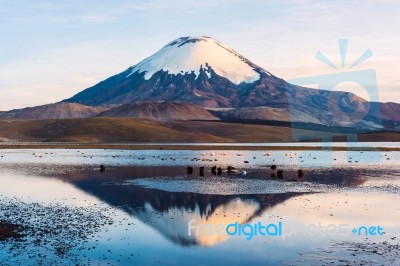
<point x="146" y="201"/>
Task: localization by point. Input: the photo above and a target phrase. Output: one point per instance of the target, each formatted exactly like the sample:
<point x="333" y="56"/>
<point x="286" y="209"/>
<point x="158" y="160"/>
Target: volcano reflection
<point x="170" y="212"/>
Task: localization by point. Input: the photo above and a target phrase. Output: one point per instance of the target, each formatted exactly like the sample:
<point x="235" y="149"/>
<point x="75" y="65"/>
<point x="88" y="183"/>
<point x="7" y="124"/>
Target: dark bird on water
<point x="300" y="173"/>
<point x="214" y="170"/>
<point x="273" y="173"/>
<point x="201" y="171"/>
<point x="280" y="173"/>
<point x="219" y="170"/>
<point x="230" y="169"/>
<point x="189" y="170"/>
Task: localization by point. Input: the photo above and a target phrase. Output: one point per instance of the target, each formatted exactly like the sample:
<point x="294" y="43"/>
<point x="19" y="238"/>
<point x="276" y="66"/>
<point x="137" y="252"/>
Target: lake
<point x="145" y="209"/>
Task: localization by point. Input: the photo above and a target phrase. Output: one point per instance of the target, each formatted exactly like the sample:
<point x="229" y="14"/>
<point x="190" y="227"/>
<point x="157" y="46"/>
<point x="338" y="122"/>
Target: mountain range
<point x="161" y="111"/>
<point x="200" y="78"/>
<point x="54" y="111"/>
<point x="204" y="71"/>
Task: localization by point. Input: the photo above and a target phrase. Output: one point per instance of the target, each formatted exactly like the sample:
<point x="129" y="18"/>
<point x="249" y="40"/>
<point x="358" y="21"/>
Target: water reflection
<point x="170" y="212"/>
<point x="164" y="213"/>
<point x="337" y="177"/>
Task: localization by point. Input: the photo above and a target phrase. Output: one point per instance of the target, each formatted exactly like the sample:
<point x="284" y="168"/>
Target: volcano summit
<point x="200" y="70"/>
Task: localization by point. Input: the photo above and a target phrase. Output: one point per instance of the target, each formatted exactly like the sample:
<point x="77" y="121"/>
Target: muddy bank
<point x="45" y="233"/>
<point x="354" y="253"/>
<point x="9" y="231"/>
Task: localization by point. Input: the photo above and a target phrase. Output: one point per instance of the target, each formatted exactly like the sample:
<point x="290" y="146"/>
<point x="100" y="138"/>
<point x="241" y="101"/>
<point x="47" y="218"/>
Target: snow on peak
<point x="190" y="54"/>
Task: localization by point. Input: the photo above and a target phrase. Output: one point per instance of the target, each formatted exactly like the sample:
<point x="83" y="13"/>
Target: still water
<point x="138" y="211"/>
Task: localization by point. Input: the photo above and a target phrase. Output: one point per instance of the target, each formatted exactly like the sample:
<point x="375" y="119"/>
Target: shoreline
<point x="186" y="147"/>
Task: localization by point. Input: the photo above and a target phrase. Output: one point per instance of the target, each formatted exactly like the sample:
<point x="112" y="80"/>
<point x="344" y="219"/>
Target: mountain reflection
<point x="170" y="212"/>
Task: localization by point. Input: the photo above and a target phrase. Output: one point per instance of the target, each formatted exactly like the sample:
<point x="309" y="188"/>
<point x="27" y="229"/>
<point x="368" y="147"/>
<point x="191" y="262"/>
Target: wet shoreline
<point x="47" y="232"/>
<point x="194" y="147"/>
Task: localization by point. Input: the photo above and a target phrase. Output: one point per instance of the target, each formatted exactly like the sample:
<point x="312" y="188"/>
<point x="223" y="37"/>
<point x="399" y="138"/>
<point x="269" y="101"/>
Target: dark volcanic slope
<point x="162" y="111"/>
<point x="53" y="111"/>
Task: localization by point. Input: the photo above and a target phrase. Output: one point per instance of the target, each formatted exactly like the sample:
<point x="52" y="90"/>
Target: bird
<point x="273" y="173"/>
<point x="300" y="173"/>
<point x="280" y="173"/>
<point x="219" y="170"/>
<point x="214" y="170"/>
<point x="201" y="171"/>
<point x="230" y="169"/>
<point x="189" y="170"/>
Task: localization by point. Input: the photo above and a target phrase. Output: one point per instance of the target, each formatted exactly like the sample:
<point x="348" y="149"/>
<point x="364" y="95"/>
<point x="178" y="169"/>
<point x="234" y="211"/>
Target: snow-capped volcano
<point x="199" y="70"/>
<point x="205" y="72"/>
<point x="187" y="55"/>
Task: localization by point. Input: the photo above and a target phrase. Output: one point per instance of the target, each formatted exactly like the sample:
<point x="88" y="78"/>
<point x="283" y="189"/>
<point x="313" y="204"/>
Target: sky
<point x="50" y="50"/>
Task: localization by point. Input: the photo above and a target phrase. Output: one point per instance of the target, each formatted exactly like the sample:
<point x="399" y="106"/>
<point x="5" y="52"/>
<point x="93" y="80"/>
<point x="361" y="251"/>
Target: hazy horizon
<point x="53" y="50"/>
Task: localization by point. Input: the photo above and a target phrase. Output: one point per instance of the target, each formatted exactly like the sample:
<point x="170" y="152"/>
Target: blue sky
<point x="50" y="50"/>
